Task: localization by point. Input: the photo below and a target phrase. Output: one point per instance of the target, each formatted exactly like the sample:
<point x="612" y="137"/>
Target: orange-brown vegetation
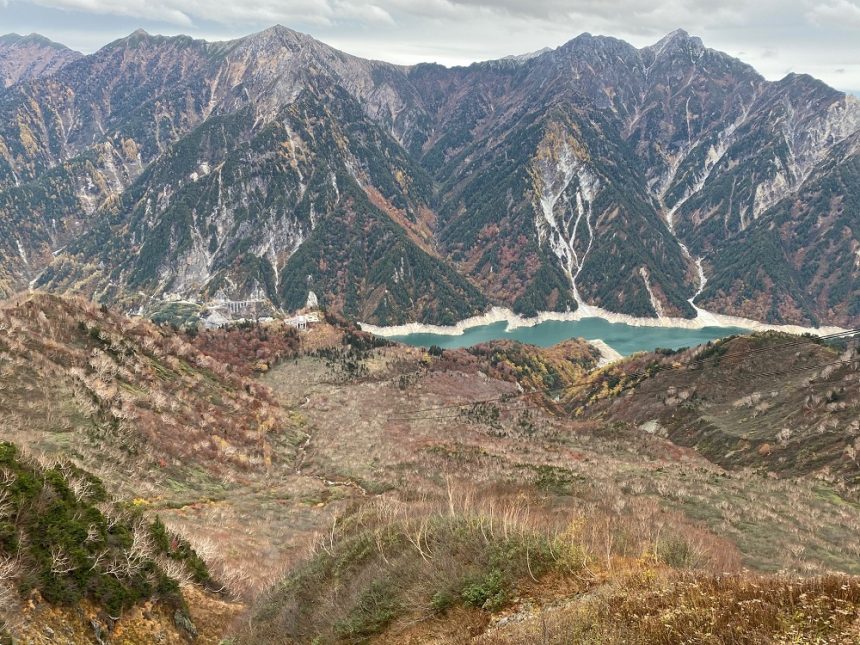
<point x="151" y="621"/>
<point x="349" y="516"/>
<point x="389" y="564"/>
<point x="135" y="394"/>
<point x="775" y="402"/>
<point x="248" y="348"/>
<point x="660" y="607"/>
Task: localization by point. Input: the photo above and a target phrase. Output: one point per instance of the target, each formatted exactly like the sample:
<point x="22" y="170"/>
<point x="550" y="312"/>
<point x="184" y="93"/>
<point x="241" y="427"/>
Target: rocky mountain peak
<point x="675" y="36"/>
<point x="140" y="38"/>
<point x="677" y="43"/>
<point x="586" y="43"/>
<point x="30" y="39"/>
<point x="279" y="33"/>
<point x="521" y="58"/>
<point x="137" y="37"/>
<point x="278" y="41"/>
<point x="24" y="58"/>
<point x="793" y="79"/>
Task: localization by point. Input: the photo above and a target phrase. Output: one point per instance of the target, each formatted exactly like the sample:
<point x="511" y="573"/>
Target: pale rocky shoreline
<point x="607" y="354"/>
<point x="514" y="321"/>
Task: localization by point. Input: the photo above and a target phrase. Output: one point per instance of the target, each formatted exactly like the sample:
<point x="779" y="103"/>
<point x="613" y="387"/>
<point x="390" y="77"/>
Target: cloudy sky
<point x="821" y="38"/>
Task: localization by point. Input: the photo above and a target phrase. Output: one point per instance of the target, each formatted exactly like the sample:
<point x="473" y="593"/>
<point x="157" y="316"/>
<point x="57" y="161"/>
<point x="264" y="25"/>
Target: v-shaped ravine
<point x="565" y="189"/>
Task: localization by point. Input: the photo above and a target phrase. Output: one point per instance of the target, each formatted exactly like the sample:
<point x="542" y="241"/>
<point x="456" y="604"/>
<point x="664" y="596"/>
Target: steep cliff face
<point x="679" y="147"/>
<point x="594" y="173"/>
<point x="72" y="141"/>
<point x="801" y="258"/>
<point x="320" y="199"/>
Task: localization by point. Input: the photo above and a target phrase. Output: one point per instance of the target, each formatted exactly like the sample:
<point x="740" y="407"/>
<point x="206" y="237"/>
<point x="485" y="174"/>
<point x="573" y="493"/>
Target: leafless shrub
<point x="10" y="570"/>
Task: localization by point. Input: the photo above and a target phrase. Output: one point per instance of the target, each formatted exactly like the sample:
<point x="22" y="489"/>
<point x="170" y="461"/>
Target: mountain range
<point x="652" y="182"/>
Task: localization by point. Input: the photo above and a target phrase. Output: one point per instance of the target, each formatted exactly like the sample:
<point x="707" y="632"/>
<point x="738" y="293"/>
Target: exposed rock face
<point x="25" y="58"/>
<point x="594" y="173"/>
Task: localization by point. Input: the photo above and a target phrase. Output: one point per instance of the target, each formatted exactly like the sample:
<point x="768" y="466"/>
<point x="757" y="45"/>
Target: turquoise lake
<point x="625" y="339"/>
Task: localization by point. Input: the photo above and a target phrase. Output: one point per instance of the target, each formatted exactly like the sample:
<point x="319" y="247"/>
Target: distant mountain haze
<point x="648" y="181"/>
<point x="24" y="58"/>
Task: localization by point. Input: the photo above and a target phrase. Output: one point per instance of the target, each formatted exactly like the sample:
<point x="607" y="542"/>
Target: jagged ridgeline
<point x="643" y="181"/>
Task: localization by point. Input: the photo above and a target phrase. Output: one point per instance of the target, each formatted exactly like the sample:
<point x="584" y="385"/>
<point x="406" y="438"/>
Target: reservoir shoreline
<point x="514" y="321"/>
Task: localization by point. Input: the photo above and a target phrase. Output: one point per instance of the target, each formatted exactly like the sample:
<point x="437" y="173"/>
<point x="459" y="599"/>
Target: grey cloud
<point x="188" y="12"/>
<point x="840" y="14"/>
<point x="639" y="17"/>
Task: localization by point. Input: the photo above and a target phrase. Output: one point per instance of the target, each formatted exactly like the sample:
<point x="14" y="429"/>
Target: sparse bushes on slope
<point x="141" y="394"/>
<point x="348" y="361"/>
<point x="387" y="559"/>
<point x="532" y="367"/>
<point x="388" y="563"/>
<point x="61" y="536"/>
<point x="783" y="404"/>
<point x="248" y="348"/>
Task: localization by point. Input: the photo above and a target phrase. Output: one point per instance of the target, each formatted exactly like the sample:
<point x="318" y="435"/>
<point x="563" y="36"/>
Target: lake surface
<point x="625" y="339"/>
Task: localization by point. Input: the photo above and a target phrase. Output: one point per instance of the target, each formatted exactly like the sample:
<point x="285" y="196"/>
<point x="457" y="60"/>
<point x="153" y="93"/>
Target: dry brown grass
<point x="651" y="607"/>
<point x="252" y="496"/>
<point x="41" y="623"/>
<point x="135" y="397"/>
<point x="389" y="565"/>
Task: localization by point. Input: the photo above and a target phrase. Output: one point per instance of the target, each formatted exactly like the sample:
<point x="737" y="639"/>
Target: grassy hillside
<point x="518" y="519"/>
<point x="772" y="402"/>
<point x="465" y="568"/>
<point x="164" y="420"/>
<point x="347" y="489"/>
<point x="130" y="400"/>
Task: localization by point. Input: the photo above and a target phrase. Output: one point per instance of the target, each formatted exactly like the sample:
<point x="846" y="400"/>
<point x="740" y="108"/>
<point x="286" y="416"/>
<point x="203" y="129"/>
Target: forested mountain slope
<point x="637" y="180"/>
